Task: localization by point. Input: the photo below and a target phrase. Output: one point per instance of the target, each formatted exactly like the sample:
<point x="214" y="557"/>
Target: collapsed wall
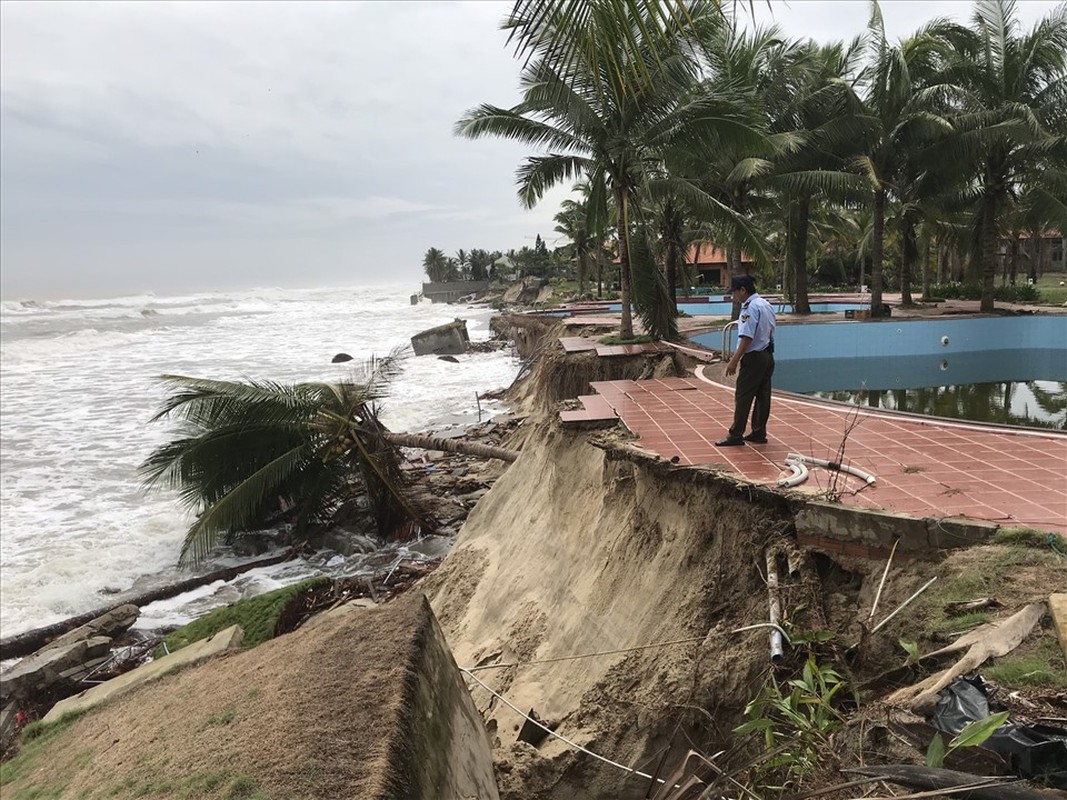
<point x="578" y="549"/>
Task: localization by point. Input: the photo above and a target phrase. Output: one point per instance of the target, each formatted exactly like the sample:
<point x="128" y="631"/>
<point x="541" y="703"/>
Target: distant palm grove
<point x="938" y="157"/>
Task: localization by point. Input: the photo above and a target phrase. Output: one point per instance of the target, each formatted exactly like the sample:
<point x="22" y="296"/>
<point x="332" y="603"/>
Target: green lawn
<point x="1052" y="292"/>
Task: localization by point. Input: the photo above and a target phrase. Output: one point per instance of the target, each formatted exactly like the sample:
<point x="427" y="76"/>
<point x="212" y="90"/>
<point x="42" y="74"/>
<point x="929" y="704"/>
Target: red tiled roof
<point x="700" y="253"/>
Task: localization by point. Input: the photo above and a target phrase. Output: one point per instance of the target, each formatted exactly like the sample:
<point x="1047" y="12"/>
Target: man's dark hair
<point x="743" y="282"/>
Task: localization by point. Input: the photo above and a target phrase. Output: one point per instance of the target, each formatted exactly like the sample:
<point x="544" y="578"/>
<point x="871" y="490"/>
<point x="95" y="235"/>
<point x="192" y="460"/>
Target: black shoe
<point x="730" y="441"/>
<point x="756" y="439"/>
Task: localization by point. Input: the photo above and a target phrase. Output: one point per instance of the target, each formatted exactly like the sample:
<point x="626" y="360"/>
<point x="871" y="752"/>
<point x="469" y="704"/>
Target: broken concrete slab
<point x="878" y="529"/>
<point x="227" y="639"/>
<point x="8" y="725"/>
<point x="114" y="622"/>
<point x="448" y="339"/>
<point x="46" y="667"/>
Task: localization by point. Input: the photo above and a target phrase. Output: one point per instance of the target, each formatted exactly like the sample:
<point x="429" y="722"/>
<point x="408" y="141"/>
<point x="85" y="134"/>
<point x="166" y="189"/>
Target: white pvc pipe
<point x="867" y="477"/>
<point x="775" y="606"/>
<point x="800" y="474"/>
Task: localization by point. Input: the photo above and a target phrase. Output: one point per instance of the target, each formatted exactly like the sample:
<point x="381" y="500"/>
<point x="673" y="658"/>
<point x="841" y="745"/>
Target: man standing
<point x="755" y="356"/>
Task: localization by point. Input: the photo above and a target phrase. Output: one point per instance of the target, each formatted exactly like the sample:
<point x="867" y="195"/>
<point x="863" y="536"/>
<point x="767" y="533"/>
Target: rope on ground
<point x="562" y="738"/>
<point x="470" y="670"/>
<point x="585" y="655"/>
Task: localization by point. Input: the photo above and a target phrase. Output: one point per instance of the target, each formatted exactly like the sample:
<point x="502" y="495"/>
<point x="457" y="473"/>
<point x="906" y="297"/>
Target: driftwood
<point x="22" y="644"/>
<point x="917" y="777"/>
<point x="989" y="641"/>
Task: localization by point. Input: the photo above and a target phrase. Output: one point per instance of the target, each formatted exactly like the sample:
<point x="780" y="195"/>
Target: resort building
<point x="712" y="265"/>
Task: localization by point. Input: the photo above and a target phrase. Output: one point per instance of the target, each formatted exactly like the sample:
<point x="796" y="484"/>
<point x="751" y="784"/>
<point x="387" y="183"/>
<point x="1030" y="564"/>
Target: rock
<point x="340" y="358"/>
<point x="453" y="359"/>
<point x="44" y="668"/>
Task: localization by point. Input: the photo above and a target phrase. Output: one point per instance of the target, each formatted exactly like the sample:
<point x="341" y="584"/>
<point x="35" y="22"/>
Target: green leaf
<point x="978" y="731"/>
<point x="935" y="753"/>
<point x="911" y="648"/>
<point x="753" y="725"/>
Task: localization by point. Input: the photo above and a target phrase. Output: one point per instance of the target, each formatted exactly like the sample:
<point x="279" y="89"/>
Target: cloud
<point x="200" y="145"/>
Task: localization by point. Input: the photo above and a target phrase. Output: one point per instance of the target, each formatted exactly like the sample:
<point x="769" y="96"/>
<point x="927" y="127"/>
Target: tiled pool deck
<point x="925" y="468"/>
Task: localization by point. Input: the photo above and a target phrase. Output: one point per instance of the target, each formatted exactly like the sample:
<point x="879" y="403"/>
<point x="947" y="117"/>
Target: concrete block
<point x="46" y="667"/>
<point x="946" y="534"/>
<point x="874" y="529"/>
<point x="448" y="339"/>
<point x="223" y="640"/>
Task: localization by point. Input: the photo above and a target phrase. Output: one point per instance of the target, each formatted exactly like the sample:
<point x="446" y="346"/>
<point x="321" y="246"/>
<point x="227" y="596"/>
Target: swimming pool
<point x="948" y="367"/>
<point x="724" y="309"/>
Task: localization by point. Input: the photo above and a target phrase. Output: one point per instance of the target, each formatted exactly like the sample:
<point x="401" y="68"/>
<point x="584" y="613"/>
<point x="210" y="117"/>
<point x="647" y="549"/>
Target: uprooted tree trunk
<point x="22" y="644"/>
<point x="423" y="442"/>
<point x="984" y="788"/>
<point x="989" y="641"/>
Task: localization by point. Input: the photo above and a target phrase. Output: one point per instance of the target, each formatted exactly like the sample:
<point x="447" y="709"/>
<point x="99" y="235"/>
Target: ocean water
<point x="78" y="386"/>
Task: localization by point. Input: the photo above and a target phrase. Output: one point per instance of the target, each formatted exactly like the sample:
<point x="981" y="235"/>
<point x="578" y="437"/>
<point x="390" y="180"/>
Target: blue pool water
<point x="1011" y="370"/>
<point x="723" y="309"/>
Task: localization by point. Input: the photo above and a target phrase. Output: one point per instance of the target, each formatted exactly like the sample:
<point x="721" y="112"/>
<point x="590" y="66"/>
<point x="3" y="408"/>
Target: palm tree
<point x="567" y="33"/>
<point x="436" y="265"/>
<point x="810" y="93"/>
<point x="612" y="127"/>
<point x="1011" y="90"/>
<point x="572" y="223"/>
<point x="481" y="264"/>
<point x="898" y="118"/>
<point x="462" y="260"/>
<point x="252" y="455"/>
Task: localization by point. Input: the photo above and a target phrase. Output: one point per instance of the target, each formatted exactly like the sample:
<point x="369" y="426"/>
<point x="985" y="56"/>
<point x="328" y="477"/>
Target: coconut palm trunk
<point x="910" y="256"/>
<point x="877" y="251"/>
<point x="989" y="251"/>
<point x="800" y="210"/>
<point x="626" y="325"/>
<point x="425" y="442"/>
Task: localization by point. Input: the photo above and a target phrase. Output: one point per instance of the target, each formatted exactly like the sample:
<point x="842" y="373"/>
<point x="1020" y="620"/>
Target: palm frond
<point x="238" y="508"/>
<point x="539" y="173"/>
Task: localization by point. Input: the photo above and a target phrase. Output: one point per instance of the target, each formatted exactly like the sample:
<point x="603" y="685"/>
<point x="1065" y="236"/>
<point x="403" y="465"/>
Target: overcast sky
<point x="171" y="147"/>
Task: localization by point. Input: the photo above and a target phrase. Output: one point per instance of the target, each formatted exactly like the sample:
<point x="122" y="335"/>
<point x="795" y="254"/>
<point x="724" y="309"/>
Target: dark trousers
<point x="753" y="391"/>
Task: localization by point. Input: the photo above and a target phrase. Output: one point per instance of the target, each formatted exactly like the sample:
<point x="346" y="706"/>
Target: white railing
<point x="727" y="342"/>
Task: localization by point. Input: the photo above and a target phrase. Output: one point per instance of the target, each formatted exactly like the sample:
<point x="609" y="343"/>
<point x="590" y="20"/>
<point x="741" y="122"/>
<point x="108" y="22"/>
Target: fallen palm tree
<point x="256" y="455"/>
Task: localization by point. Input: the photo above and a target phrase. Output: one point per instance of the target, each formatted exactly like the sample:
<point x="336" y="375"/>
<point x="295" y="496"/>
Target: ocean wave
<point x="68" y="344"/>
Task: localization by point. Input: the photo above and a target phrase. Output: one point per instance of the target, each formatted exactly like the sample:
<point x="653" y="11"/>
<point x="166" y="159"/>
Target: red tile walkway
<point x="924" y="467"/>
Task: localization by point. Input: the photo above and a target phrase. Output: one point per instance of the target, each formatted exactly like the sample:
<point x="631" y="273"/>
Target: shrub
<point x="1020" y="293"/>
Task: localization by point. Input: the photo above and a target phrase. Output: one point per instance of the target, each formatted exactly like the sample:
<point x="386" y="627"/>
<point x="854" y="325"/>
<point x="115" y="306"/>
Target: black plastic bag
<point x="1034" y="751"/>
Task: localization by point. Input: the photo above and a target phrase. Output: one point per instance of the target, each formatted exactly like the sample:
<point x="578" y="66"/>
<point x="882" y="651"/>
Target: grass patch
<point x="990" y="576"/>
<point x="202" y="783"/>
<point x="1021" y="536"/>
<point x="243" y="788"/>
<point x="642" y="339"/>
<point x="1042" y="666"/>
<point x="34" y="741"/>
<point x="258" y="616"/>
<point x="984" y="578"/>
<point x="1049" y="289"/>
<point x="224" y="717"/>
<point x="962" y="623"/>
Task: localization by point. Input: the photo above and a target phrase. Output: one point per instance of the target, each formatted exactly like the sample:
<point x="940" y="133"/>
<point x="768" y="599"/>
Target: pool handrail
<point x="727" y="342"/>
